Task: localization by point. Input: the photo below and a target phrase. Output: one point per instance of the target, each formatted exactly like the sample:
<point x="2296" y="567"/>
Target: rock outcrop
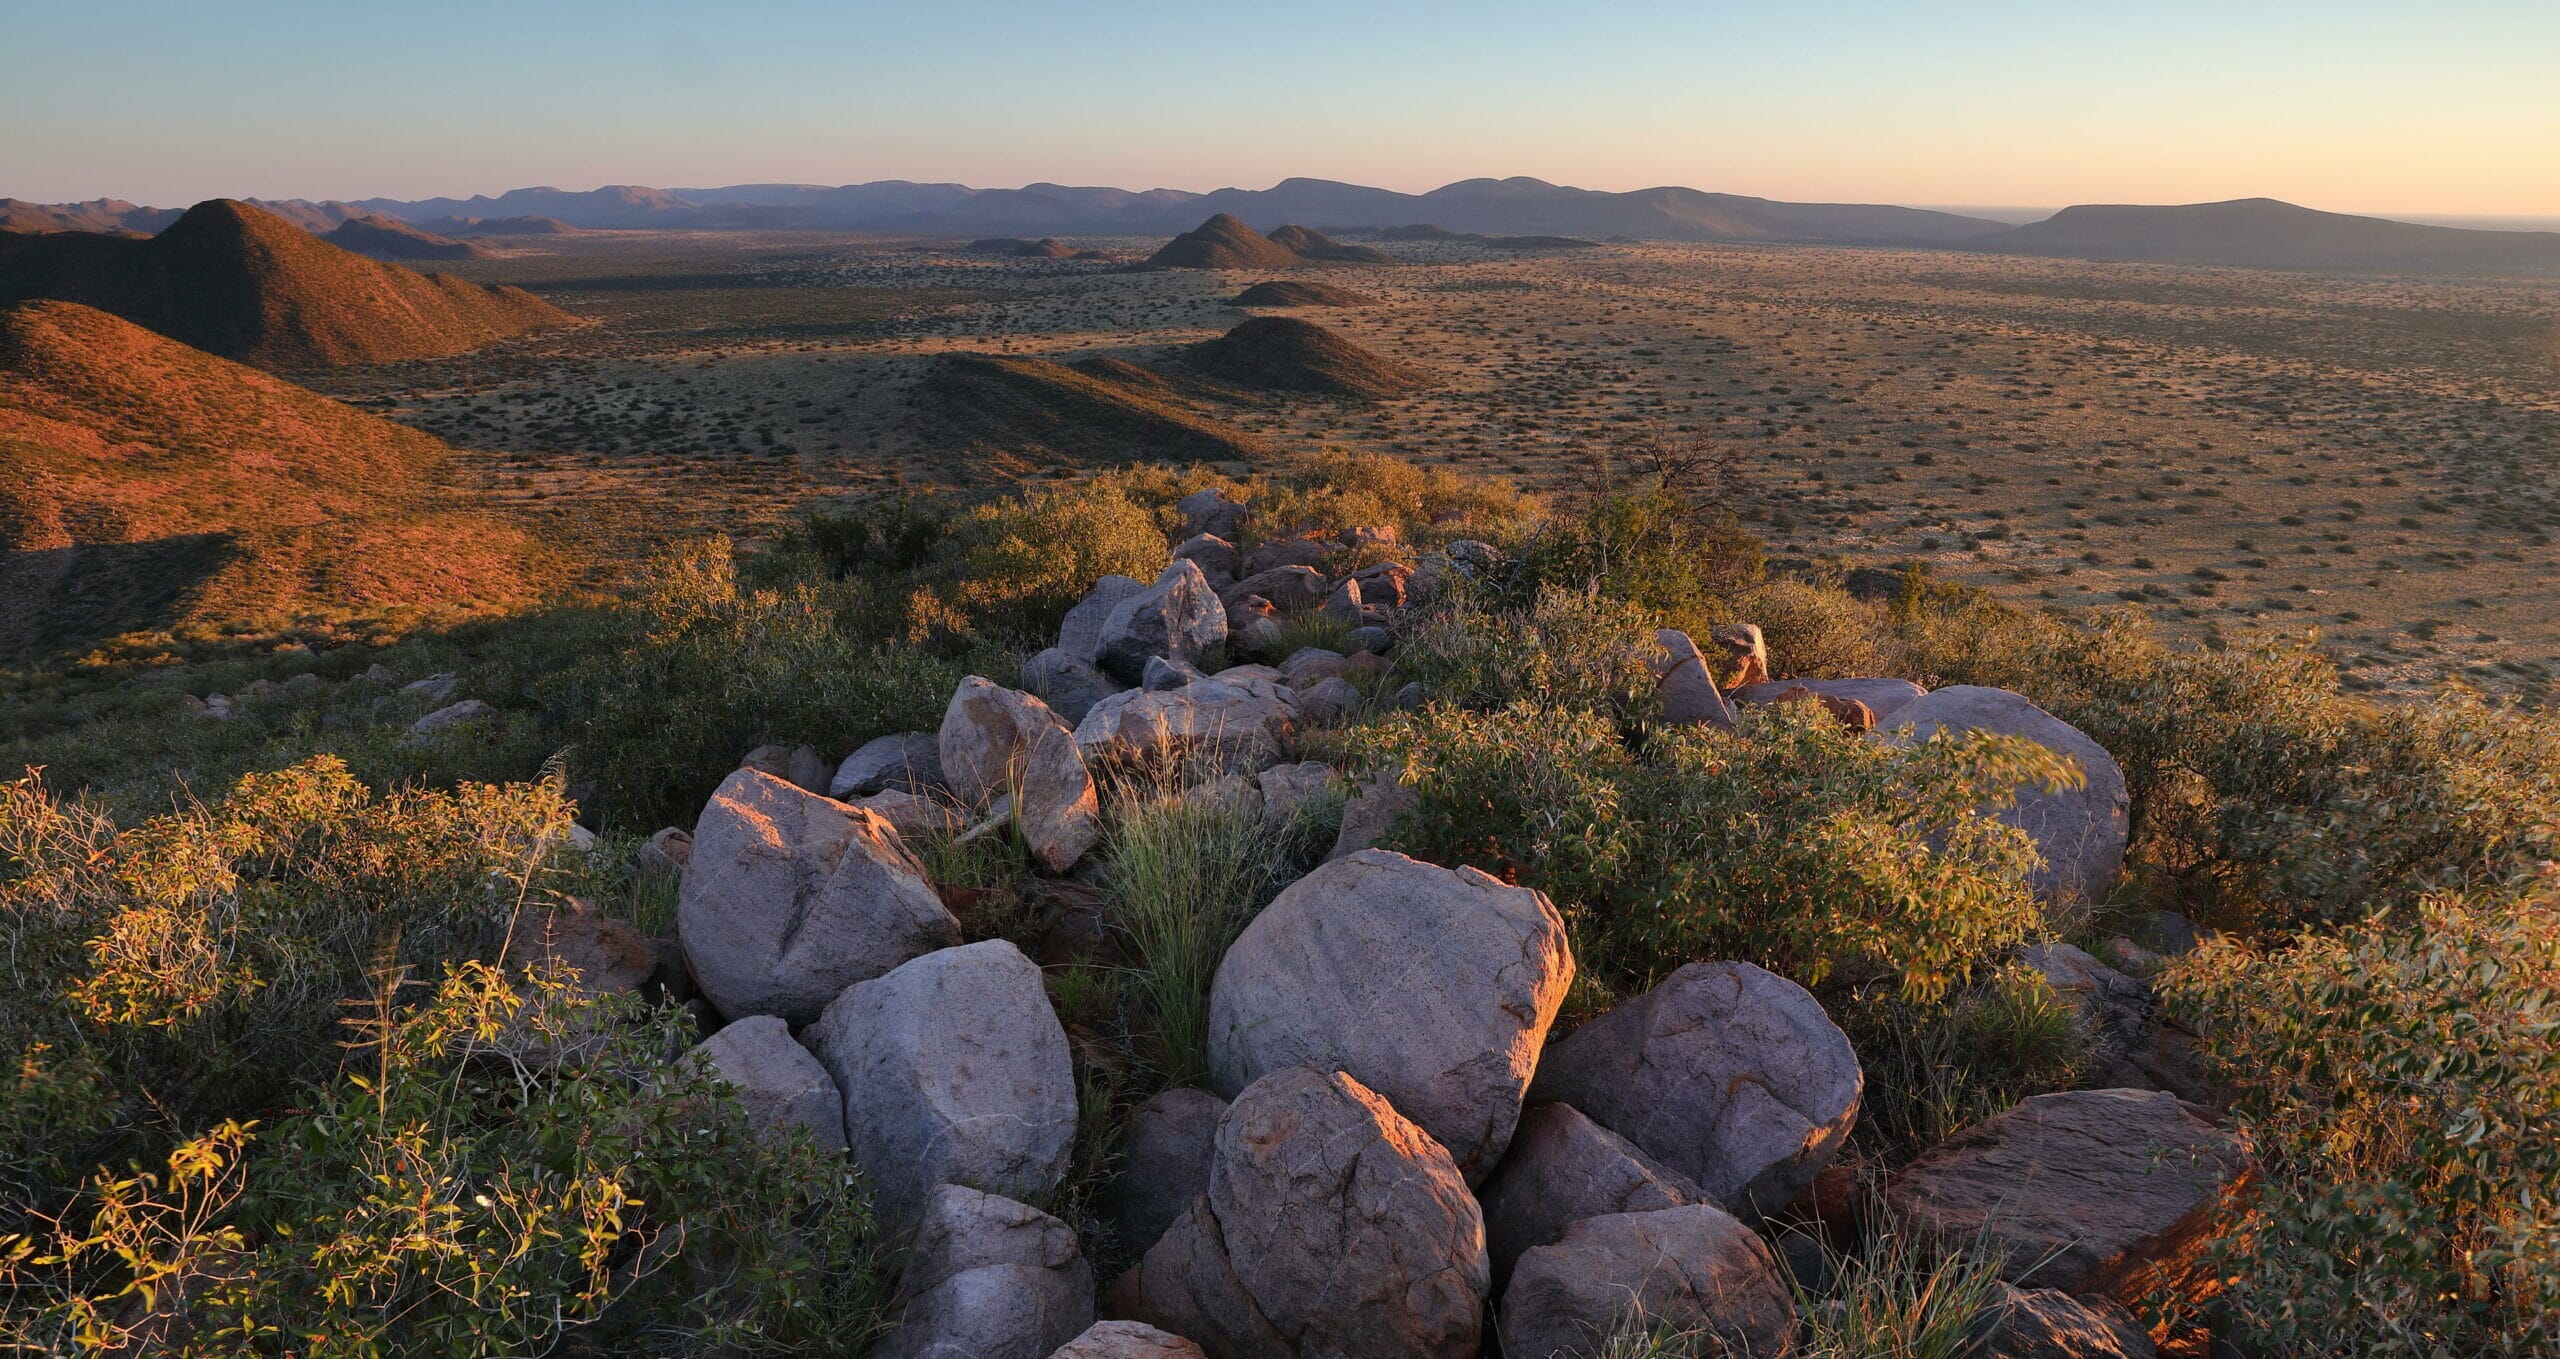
<point x="1562" y="1168"/>
<point x="989" y="1278"/>
<point x="1692" y="1268"/>
<point x="2079" y="831"/>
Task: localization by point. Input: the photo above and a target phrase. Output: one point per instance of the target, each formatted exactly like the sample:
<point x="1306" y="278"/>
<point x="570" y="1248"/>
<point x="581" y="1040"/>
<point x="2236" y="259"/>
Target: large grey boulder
<point x="988" y="1278"/>
<point x="1332" y="1227"/>
<point x="1291" y="589"/>
<point x="1883" y="697"/>
<point x="1690" y="1268"/>
<point x="1165" y="1166"/>
<point x="2079" y="831"/>
<point x="1212" y="510"/>
<point x="954" y="1070"/>
<point x="791" y="897"/>
<point x="1218" y="557"/>
<point x="1069" y="686"/>
<point x="1241" y="722"/>
<point x="997" y="742"/>
<point x="1729" y="1074"/>
<point x="1179" y="618"/>
<point x="906" y="762"/>
<point x="1562" y="1168"/>
<point x="2087" y="1191"/>
<point x="2044" y="1323"/>
<point x="1080" y="632"/>
<point x="1128" y="1340"/>
<point x="1334" y="975"/>
<point x="780" y="1084"/>
<point x="1684" y="690"/>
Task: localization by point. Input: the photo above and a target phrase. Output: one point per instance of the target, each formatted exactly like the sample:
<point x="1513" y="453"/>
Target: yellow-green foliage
<point x="2399" y="1085"/>
<point x="502" y="1163"/>
<point x="1567" y="648"/>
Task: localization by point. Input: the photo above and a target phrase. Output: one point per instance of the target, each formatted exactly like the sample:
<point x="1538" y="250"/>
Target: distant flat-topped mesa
<point x="383" y="238"/>
<point x="241" y="282"/>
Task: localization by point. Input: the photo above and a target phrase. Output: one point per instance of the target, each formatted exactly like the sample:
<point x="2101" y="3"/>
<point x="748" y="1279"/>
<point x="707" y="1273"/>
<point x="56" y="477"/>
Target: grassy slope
<point x="1032" y="408"/>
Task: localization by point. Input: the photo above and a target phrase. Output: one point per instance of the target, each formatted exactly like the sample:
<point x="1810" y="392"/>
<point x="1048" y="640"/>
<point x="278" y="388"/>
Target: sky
<point x="2447" y="108"/>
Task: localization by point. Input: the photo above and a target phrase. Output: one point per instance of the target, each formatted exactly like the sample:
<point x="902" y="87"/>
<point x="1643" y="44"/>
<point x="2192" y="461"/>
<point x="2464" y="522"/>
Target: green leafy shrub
<point x="1813" y="630"/>
<point x="505" y="1163"/>
<point x="1566" y="650"/>
<point x="1936" y="1069"/>
<point x="1652" y="549"/>
<point x="2399" y="1087"/>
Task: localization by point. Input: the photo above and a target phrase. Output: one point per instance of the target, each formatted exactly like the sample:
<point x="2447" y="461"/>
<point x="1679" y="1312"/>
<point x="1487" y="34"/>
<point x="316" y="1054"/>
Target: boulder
<point x="463" y="714"/>
<point x="779" y="1082"/>
<point x="1371" y="810"/>
<point x="1373" y="535"/>
<point x="1690" y="1268"/>
<point x="1232" y="792"/>
<point x="1165" y="674"/>
<point x="1253" y="625"/>
<point x="1329" y="702"/>
<point x="1332" y="1226"/>
<point x="1080" y="632"/>
<point x="1371" y="638"/>
<point x="1179" y="618"/>
<point x="1211" y="511"/>
<point x="1239" y="722"/>
<point x="1328" y="976"/>
<point x="1741" y="656"/>
<point x="1166" y="1165"/>
<point x="1291" y="589"/>
<point x="1385" y="584"/>
<point x="796" y="765"/>
<point x="954" y="1070"/>
<point x="1285" y="553"/>
<point x="2087" y="1191"/>
<point x="2114" y="1010"/>
<point x="1000" y="743"/>
<point x="434" y="688"/>
<point x="1288" y="787"/>
<point x="988" y="1278"/>
<point x="1069" y="686"/>
<point x="1309" y="664"/>
<point x="1686" y="692"/>
<point x="1729" y="1074"/>
<point x="1345" y="606"/>
<point x="2045" y="1323"/>
<point x="1217" y="557"/>
<point x="908" y="762"/>
<point x="1882" y="697"/>
<point x="913" y="814"/>
<point x="1128" y="1340"/>
<point x="792" y="897"/>
<point x="608" y="955"/>
<point x="1562" y="1168"/>
<point x="2079" y="831"/>
<point x="667" y="850"/>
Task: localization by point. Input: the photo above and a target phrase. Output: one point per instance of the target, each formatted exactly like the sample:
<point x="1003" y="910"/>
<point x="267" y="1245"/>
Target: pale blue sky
<point x="2446" y="107"/>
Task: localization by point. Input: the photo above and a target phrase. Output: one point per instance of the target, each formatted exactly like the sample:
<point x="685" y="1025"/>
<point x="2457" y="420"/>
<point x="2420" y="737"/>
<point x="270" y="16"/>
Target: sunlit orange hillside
<point x="241" y="282"/>
<point x="146" y="485"/>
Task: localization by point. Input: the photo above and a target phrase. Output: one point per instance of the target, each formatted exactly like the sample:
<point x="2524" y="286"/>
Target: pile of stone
<point x="1393" y="1145"/>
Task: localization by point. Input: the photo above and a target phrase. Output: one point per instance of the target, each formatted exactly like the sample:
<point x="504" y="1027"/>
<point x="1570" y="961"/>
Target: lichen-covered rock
<point x="1562" y="1168"/>
<point x="2079" y="831"/>
<point x="1179" y="618"/>
<point x="777" y="1080"/>
<point x="2087" y="1191"/>
<point x="1335" y="974"/>
<point x="1332" y="1227"/>
<point x="1691" y="1268"/>
<point x="1729" y="1074"/>
<point x="955" y="1071"/>
<point x="989" y="1278"/>
<point x="791" y="897"/>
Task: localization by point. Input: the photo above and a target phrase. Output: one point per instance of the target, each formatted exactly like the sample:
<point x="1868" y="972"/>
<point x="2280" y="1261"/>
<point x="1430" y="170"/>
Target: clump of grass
<point x="1935" y="1070"/>
<point x="1315" y="628"/>
<point x="1896" y="1299"/>
<point x="1185" y="876"/>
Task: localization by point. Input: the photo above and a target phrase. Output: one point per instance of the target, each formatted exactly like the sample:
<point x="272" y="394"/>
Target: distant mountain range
<point x="2256" y="232"/>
